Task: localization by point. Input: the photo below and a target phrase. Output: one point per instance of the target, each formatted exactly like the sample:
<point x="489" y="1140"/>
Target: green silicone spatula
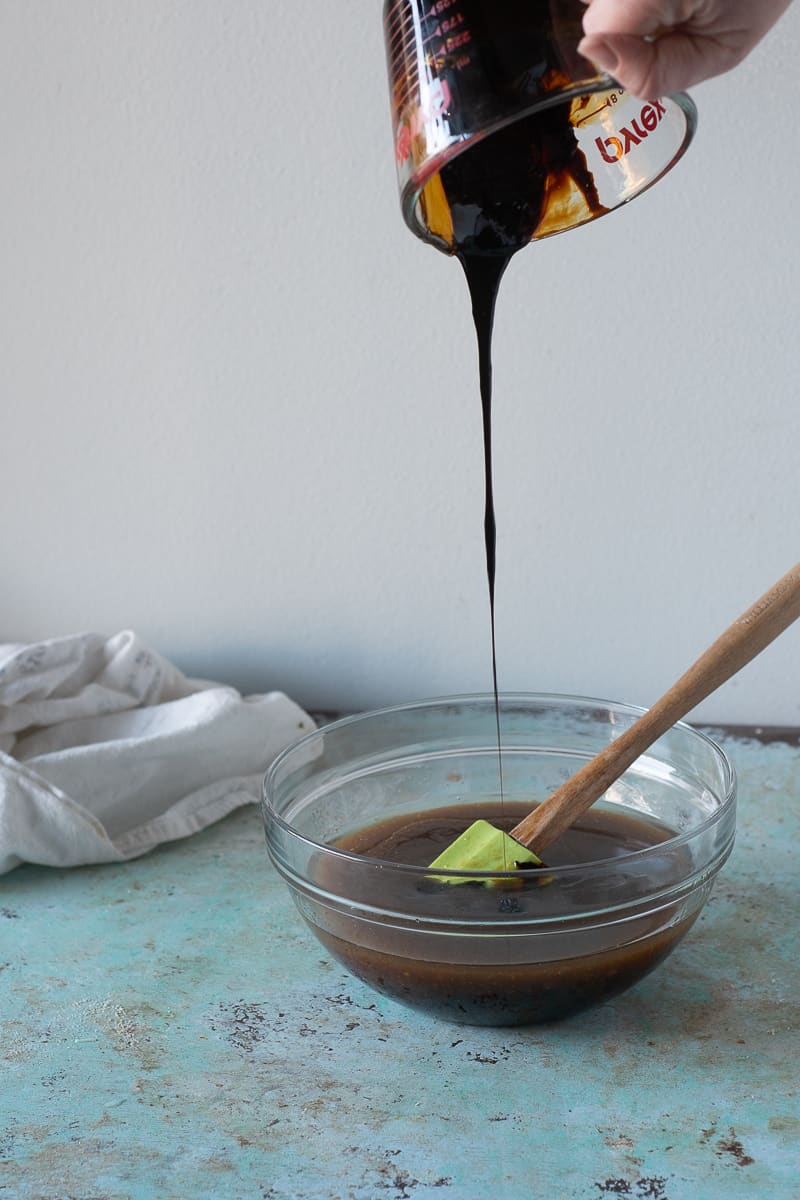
<point x="482" y="847"/>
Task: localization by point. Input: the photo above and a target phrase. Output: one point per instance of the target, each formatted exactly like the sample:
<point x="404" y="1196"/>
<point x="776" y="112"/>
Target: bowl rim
<point x="727" y="804"/>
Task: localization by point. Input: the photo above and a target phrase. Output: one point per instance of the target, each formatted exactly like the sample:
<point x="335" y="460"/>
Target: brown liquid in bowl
<point x="503" y="980"/>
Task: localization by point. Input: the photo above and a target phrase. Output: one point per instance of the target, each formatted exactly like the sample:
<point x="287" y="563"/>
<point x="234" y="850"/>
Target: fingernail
<point x="599" y="53"/>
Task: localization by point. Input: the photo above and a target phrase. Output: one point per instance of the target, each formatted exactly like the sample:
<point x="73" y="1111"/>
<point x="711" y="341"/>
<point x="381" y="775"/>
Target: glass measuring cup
<point x="461" y="71"/>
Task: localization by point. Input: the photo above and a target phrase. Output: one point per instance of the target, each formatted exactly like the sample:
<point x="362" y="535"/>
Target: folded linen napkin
<point x="107" y="750"/>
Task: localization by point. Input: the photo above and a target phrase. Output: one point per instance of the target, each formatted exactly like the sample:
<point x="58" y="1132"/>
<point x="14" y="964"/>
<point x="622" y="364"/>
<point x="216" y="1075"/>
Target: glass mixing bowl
<point x="498" y="948"/>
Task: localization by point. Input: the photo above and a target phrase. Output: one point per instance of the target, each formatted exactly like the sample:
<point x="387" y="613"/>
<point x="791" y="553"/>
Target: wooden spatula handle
<point x="741" y="642"/>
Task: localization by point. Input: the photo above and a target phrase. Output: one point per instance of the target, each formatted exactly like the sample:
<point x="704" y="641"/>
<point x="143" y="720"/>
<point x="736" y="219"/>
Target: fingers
<point x="639" y="18"/>
<point x="633" y="41"/>
<point x="669" y="63"/>
<point x="653" y="47"/>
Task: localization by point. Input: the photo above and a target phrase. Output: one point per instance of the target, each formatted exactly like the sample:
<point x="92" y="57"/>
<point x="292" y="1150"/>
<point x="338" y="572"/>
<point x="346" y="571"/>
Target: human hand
<point x="653" y="47"/>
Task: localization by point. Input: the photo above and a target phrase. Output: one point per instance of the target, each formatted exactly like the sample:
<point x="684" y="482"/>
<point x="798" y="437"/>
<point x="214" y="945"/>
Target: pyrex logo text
<point x="615" y="148"/>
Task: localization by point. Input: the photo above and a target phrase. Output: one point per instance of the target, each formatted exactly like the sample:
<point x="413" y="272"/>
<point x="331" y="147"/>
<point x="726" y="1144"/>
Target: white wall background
<point x="240" y="410"/>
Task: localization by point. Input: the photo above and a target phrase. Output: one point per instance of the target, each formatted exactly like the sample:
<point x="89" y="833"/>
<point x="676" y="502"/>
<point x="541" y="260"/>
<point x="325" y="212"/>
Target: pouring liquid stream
<point x="484" y="273"/>
<point x="496" y="193"/>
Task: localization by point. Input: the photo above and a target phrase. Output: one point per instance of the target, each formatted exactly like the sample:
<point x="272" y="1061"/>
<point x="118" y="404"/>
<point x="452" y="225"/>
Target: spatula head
<point x="484" y="848"/>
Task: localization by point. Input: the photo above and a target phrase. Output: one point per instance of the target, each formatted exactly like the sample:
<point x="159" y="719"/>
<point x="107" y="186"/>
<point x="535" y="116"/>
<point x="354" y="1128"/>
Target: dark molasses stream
<point x="497" y="193"/>
<point x="484" y="273"/>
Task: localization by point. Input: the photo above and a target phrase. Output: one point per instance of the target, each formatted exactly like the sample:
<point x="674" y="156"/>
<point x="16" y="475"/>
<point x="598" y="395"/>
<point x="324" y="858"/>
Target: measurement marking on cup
<point x="609" y="103"/>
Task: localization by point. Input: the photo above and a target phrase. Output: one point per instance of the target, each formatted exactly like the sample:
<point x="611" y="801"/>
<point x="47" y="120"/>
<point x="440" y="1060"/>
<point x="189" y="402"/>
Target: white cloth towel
<point x="107" y="750"/>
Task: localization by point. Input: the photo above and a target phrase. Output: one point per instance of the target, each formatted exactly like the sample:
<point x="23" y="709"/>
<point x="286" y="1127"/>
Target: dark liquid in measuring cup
<point x="512" y="977"/>
<point x="496" y="193"/>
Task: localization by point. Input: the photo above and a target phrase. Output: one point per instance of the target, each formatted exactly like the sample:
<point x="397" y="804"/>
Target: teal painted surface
<point x="170" y="1030"/>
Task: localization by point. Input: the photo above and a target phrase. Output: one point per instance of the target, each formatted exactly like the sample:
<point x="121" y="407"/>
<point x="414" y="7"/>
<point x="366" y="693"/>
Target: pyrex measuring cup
<point x="462" y="70"/>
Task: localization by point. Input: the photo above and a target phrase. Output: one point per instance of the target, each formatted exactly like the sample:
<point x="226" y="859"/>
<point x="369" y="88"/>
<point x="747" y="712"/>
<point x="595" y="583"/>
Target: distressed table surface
<point x="170" y="1030"/>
